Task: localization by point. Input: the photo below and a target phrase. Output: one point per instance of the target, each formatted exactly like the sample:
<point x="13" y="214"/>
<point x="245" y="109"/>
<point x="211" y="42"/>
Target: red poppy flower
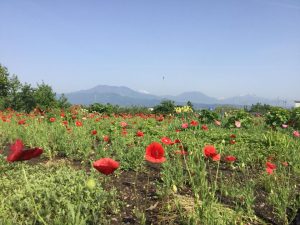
<point x="210" y="152"/>
<point x="270" y="167"/>
<point x="123" y="124"/>
<point x="93" y="132"/>
<point x="18" y="153"/>
<point x="139" y="134"/>
<point x="184" y="125"/>
<point x="204" y="127"/>
<point x="296" y="133"/>
<point x="160" y="118"/>
<point x="78" y="123"/>
<point x="232" y="136"/>
<point x="52" y="119"/>
<point x="230" y="158"/>
<point x="194" y="123"/>
<point x="106" y="165"/>
<point x="155" y="153"/>
<point x="124" y="132"/>
<point x="232" y="142"/>
<point x="177" y="141"/>
<point x="65" y="122"/>
<point x="167" y="141"/>
<point x="106" y="138"/>
<point x="22" y="122"/>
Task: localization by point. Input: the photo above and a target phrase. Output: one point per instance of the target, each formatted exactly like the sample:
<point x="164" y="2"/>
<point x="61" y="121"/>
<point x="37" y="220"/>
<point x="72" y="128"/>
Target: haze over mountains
<point x="125" y="96"/>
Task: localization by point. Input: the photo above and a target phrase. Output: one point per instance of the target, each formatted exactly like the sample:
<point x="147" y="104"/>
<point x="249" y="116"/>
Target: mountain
<point x="121" y="90"/>
<point x="194" y="96"/>
<point x="124" y="96"/>
<point x="253" y="99"/>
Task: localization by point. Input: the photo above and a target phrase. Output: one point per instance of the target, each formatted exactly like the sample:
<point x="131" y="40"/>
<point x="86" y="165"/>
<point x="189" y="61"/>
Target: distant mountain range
<point x="125" y="96"/>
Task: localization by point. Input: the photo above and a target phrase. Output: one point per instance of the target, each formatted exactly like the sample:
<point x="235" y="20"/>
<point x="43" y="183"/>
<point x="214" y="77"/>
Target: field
<point x="184" y="168"/>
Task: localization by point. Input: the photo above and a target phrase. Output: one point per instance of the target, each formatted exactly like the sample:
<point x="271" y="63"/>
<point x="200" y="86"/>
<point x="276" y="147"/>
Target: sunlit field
<point x="204" y="167"/>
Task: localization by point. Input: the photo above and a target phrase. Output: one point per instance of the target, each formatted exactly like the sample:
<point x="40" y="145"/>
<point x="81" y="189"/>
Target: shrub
<point x="242" y="116"/>
<point x="277" y="116"/>
<point x="208" y="116"/>
<point x="295" y="118"/>
<point x="165" y="107"/>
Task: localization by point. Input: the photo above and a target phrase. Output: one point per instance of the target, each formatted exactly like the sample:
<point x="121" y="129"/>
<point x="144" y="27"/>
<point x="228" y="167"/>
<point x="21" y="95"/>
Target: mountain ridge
<point x="124" y="96"/>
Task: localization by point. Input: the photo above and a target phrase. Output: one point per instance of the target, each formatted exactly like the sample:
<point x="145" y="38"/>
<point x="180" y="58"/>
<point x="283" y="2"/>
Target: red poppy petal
<point x="209" y="150"/>
<point x="17" y="146"/>
<point x="14" y="156"/>
<point x="270" y="165"/>
<point x="269" y="170"/>
<point x="155" y="160"/>
<point x="31" y="153"/>
<point x="216" y="157"/>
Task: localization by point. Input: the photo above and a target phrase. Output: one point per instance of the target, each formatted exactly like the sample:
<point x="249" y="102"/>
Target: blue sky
<point x="221" y="48"/>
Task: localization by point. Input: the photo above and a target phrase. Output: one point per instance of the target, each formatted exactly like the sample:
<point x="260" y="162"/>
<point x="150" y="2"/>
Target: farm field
<point x="80" y="167"/>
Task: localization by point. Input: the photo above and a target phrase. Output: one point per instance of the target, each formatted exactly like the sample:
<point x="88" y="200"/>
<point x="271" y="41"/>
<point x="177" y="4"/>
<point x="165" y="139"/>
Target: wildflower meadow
<point x="77" y="166"/>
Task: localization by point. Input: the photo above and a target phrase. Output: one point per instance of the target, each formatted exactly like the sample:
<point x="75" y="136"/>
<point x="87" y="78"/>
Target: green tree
<point x="190" y="104"/>
<point x="4" y="81"/>
<point x="63" y="102"/>
<point x="260" y="108"/>
<point x="13" y="99"/>
<point x="27" y="99"/>
<point x="45" y="97"/>
<point x="165" y="107"/>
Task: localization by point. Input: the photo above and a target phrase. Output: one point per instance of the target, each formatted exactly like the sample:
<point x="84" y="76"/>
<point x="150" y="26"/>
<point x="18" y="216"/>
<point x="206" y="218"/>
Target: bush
<point x="277" y="116"/>
<point x="295" y="118"/>
<point x="242" y="116"/>
<point x="165" y="107"/>
<point x="259" y="108"/>
<point x="208" y="116"/>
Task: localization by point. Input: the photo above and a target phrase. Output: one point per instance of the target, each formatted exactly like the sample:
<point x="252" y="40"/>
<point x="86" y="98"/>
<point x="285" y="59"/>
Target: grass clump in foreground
<point x="53" y="194"/>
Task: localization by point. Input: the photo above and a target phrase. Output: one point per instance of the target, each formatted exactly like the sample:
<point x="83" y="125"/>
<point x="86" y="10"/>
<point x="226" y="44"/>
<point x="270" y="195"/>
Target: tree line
<point x="23" y="97"/>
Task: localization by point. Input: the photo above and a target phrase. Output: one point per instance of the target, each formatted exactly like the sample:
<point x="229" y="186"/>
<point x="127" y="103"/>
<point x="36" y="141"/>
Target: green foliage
<point x="53" y="194"/>
<point x="165" y="107"/>
<point x="60" y="193"/>
<point x="242" y="116"/>
<point x="190" y="104"/>
<point x="277" y="116"/>
<point x="45" y="97"/>
<point x="13" y="99"/>
<point x="22" y="97"/>
<point x="63" y="103"/>
<point x="295" y="118"/>
<point x="208" y="116"/>
<point x="101" y="108"/>
<point x="27" y="100"/>
<point x="4" y="81"/>
<point x="260" y="108"/>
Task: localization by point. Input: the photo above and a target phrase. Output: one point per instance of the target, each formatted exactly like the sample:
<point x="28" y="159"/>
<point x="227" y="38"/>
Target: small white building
<point x="297" y="104"/>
